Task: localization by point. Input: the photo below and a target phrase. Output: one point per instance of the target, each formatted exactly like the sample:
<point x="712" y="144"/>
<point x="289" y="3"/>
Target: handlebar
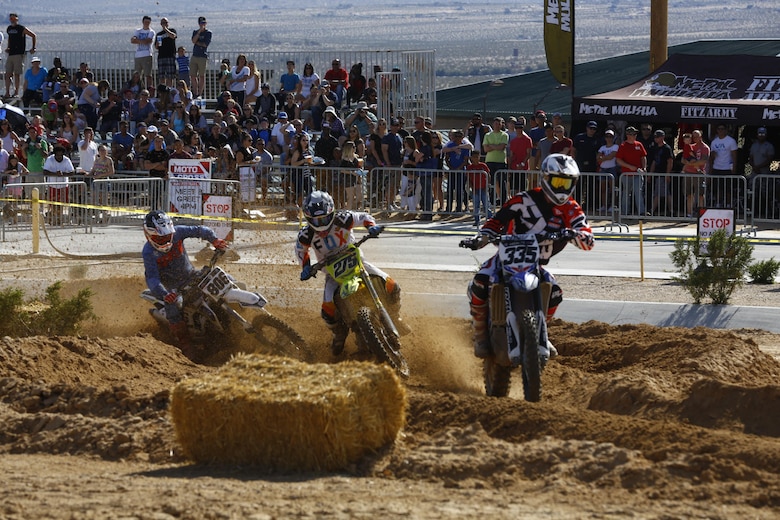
<point x="478" y="241"/>
<point x="315" y="268"/>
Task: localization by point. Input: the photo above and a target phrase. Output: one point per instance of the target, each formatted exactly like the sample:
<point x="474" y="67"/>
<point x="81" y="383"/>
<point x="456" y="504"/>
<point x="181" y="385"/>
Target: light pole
<point x="494" y="83"/>
<point x="561" y="86"/>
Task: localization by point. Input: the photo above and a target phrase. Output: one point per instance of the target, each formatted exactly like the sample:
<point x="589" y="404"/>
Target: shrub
<point x="764" y="271"/>
<point x="53" y="316"/>
<point x="714" y="267"/>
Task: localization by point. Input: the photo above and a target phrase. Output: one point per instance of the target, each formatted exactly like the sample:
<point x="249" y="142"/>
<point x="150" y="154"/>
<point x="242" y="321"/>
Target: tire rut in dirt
<point x="382" y="343"/>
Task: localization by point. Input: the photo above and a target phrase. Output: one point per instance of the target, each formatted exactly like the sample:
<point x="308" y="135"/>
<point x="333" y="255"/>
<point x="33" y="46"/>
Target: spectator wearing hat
<point x="168" y="133"/>
<point x="762" y="153"/>
<point x="201" y="38"/>
<point x="141" y="143"/>
<point x="661" y="159"/>
<point x="265" y="104"/>
<point x="585" y="147"/>
<point x="34" y="77"/>
<point x="335" y="123"/>
<point x="110" y="113"/>
<point x="281" y="133"/>
<point x="16" y="49"/>
<point x="325" y="99"/>
<point x="456" y="154"/>
<point x="360" y="117"/>
<point x="475" y="131"/>
<point x="632" y="159"/>
<point x="645" y="135"/>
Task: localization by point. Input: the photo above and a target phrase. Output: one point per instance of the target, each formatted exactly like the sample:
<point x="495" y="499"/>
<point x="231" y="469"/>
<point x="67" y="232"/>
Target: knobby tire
<point x="381" y="342"/>
<point x="278" y="338"/>
<point x="532" y="368"/>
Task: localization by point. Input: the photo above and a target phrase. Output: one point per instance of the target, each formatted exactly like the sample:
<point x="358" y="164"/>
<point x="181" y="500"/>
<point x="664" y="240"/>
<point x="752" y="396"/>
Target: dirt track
<point x="635" y="421"/>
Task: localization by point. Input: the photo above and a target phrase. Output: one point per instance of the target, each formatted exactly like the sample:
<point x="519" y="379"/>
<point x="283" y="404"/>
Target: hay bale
<point x="284" y="415"/>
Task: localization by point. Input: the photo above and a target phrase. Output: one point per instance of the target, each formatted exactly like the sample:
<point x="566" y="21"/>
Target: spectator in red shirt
<point x="520" y="151"/>
<point x="563" y="144"/>
<point x="338" y="79"/>
<point x="478" y="179"/>
<point x="632" y="159"/>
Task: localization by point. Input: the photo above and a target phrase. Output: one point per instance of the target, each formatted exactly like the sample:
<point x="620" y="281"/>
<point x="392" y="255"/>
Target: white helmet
<point x="560" y="174"/>
<point x="318" y="209"/>
<point x="158" y="228"/>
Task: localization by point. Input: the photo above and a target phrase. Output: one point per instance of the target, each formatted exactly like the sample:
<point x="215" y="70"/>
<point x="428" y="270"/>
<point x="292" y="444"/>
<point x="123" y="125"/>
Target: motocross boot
<point x="182" y="335"/>
<point x="340" y="333"/>
<point x="481" y="340"/>
<point x="394" y="306"/>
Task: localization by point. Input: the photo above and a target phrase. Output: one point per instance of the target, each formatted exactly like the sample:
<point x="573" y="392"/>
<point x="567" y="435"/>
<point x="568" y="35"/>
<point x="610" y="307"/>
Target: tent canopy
<point x="741" y="89"/>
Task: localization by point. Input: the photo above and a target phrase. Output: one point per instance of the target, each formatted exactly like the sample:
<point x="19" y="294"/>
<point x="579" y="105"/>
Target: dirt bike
<point x="517" y="315"/>
<point x="209" y="302"/>
<point x="360" y="306"/>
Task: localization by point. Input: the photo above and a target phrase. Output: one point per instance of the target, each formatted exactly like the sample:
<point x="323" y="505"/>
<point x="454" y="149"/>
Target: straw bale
<point x="284" y="415"/>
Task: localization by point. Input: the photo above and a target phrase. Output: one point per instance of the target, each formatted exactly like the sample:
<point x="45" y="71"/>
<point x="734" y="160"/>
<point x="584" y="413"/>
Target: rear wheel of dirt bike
<point x="497" y="378"/>
<point x="532" y="368"/>
<point x="279" y="339"/>
<point x="381" y="342"/>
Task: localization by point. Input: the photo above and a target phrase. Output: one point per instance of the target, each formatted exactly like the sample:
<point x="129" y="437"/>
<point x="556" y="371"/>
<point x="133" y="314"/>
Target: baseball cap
<point x="282" y="115"/>
<point x="592" y="124"/>
<point x="659" y="133"/>
<point x="152" y="129"/>
<point x="540" y="113"/>
<point x="330" y="110"/>
<point x="35" y="58"/>
<point x="141" y="125"/>
<point x="394" y="122"/>
<point x="265" y="85"/>
<point x="558" y="114"/>
<point x="324" y="83"/>
<point x="201" y="19"/>
<point x="609" y="132"/>
<point x="164" y="122"/>
<point x="631" y="130"/>
<point x="762" y="131"/>
<point x="428" y="120"/>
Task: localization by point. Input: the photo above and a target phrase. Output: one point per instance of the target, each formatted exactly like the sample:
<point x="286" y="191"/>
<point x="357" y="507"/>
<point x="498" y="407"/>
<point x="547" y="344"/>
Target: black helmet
<point x="318" y="209"/>
<point x="158" y="228"/>
<point x="560" y="174"/>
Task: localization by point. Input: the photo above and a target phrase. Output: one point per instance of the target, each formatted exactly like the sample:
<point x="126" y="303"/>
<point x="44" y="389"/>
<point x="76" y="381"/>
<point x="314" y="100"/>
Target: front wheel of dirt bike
<point x="532" y="368"/>
<point x="279" y="339"/>
<point x="497" y="378"/>
<point x="380" y="341"/>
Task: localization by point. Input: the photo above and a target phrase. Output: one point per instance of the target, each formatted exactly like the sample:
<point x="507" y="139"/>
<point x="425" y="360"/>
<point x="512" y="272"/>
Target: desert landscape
<point x="635" y="421"/>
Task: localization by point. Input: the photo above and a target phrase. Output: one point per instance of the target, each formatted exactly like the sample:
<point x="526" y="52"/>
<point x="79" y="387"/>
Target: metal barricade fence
<point x="765" y="198"/>
<point x="128" y="197"/>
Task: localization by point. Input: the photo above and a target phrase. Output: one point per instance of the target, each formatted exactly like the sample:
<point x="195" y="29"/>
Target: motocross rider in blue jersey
<point x="546" y="209"/>
<point x="167" y="267"/>
<point x="328" y="232"/>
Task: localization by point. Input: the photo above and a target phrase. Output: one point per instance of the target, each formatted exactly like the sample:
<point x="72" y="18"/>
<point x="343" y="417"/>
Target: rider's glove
<point x="307" y="272"/>
<point x="583" y="239"/>
<point x="220" y="244"/>
<point x="375" y="230"/>
<point x="171" y="297"/>
<point x="474" y="243"/>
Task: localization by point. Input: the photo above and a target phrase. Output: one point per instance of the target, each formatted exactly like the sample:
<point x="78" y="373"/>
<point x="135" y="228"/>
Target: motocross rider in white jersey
<point x="546" y="209"/>
<point x="167" y="267"/>
<point x="328" y="232"/>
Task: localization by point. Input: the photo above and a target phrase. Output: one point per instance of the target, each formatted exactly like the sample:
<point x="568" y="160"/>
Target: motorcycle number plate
<point x="344" y="265"/>
<point x="519" y="251"/>
<point x="216" y="284"/>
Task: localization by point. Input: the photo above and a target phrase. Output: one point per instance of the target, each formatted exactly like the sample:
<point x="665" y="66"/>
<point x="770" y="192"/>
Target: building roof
<point x="524" y="93"/>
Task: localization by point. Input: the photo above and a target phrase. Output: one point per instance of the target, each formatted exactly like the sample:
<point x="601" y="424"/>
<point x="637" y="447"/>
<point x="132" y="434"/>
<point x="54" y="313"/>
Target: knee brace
<point x="556" y="297"/>
<point x="479" y="290"/>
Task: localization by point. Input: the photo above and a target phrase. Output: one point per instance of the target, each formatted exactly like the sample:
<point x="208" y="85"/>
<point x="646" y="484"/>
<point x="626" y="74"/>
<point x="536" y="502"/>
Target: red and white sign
<point x="219" y="206"/>
<point x="711" y="220"/>
<point x="186" y="186"/>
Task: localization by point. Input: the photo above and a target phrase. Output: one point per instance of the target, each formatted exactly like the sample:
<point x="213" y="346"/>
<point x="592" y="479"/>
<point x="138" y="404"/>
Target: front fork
<point x="505" y="302"/>
<point x="386" y="319"/>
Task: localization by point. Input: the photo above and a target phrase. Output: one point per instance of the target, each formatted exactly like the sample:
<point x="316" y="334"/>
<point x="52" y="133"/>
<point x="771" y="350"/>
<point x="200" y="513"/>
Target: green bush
<point x="714" y="267"/>
<point x="54" y="316"/>
<point x="764" y="271"/>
